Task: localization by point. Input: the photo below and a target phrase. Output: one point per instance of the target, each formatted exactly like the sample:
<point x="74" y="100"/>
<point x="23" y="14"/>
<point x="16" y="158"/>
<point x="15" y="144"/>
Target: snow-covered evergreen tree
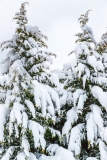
<point x="29" y="106"/>
<point x="85" y="129"/>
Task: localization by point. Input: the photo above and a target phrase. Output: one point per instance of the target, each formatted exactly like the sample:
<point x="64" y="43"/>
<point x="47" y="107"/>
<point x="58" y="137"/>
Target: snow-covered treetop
<point x="26" y="46"/>
<point x="84" y="18"/>
<point x="23" y="32"/>
<point x="21" y="16"/>
<point x="87" y="34"/>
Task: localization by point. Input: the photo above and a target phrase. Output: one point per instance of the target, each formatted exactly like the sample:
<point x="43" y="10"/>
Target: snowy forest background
<point x="55" y="114"/>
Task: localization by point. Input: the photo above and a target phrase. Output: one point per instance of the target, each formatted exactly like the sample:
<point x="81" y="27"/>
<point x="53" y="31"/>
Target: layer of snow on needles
<point x="57" y="153"/>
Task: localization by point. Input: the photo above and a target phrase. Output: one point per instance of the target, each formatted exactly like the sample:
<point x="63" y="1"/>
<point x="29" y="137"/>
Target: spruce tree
<point x="29" y="106"/>
<point x="85" y="129"/>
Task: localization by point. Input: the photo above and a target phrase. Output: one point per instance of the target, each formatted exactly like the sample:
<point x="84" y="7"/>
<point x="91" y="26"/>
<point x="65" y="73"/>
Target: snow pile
<point x="103" y="150"/>
<point x="47" y="95"/>
<point x="16" y="113"/>
<point x="66" y="97"/>
<point x="38" y="135"/>
<point x="60" y="73"/>
<point x="32" y="42"/>
<point x="100" y="95"/>
<point x="8" y="153"/>
<point x="57" y="153"/>
<point x="54" y="97"/>
<point x="31" y="107"/>
<point x="26" y="146"/>
<point x="91" y="129"/>
<point x="91" y="158"/>
<point x="22" y="156"/>
<point x="3" y="67"/>
<point x="34" y="30"/>
<point x="72" y="63"/>
<point x="63" y="99"/>
<point x="2" y="80"/>
<point x="82" y="49"/>
<point x="75" y="139"/>
<point x="18" y="67"/>
<point x="81" y="101"/>
<point x="92" y="61"/>
<point x="100" y="66"/>
<point x="54" y="79"/>
<point x="72" y="117"/>
<point x="76" y="95"/>
<point x="99" y="80"/>
<point x="97" y="116"/>
<point x="104" y="57"/>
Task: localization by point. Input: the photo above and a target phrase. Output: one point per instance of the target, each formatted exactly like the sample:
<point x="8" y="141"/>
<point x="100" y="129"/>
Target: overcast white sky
<point x="58" y="19"/>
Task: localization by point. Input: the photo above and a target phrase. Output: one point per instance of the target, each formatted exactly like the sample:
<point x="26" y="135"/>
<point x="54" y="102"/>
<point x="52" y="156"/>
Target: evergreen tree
<point x="29" y="106"/>
<point x="85" y="129"/>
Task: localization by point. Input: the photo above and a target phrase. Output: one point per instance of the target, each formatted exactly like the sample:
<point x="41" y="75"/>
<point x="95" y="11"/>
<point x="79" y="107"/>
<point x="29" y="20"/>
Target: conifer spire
<point x="84" y="18"/>
<point x="21" y="16"/>
<point x="87" y="34"/>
